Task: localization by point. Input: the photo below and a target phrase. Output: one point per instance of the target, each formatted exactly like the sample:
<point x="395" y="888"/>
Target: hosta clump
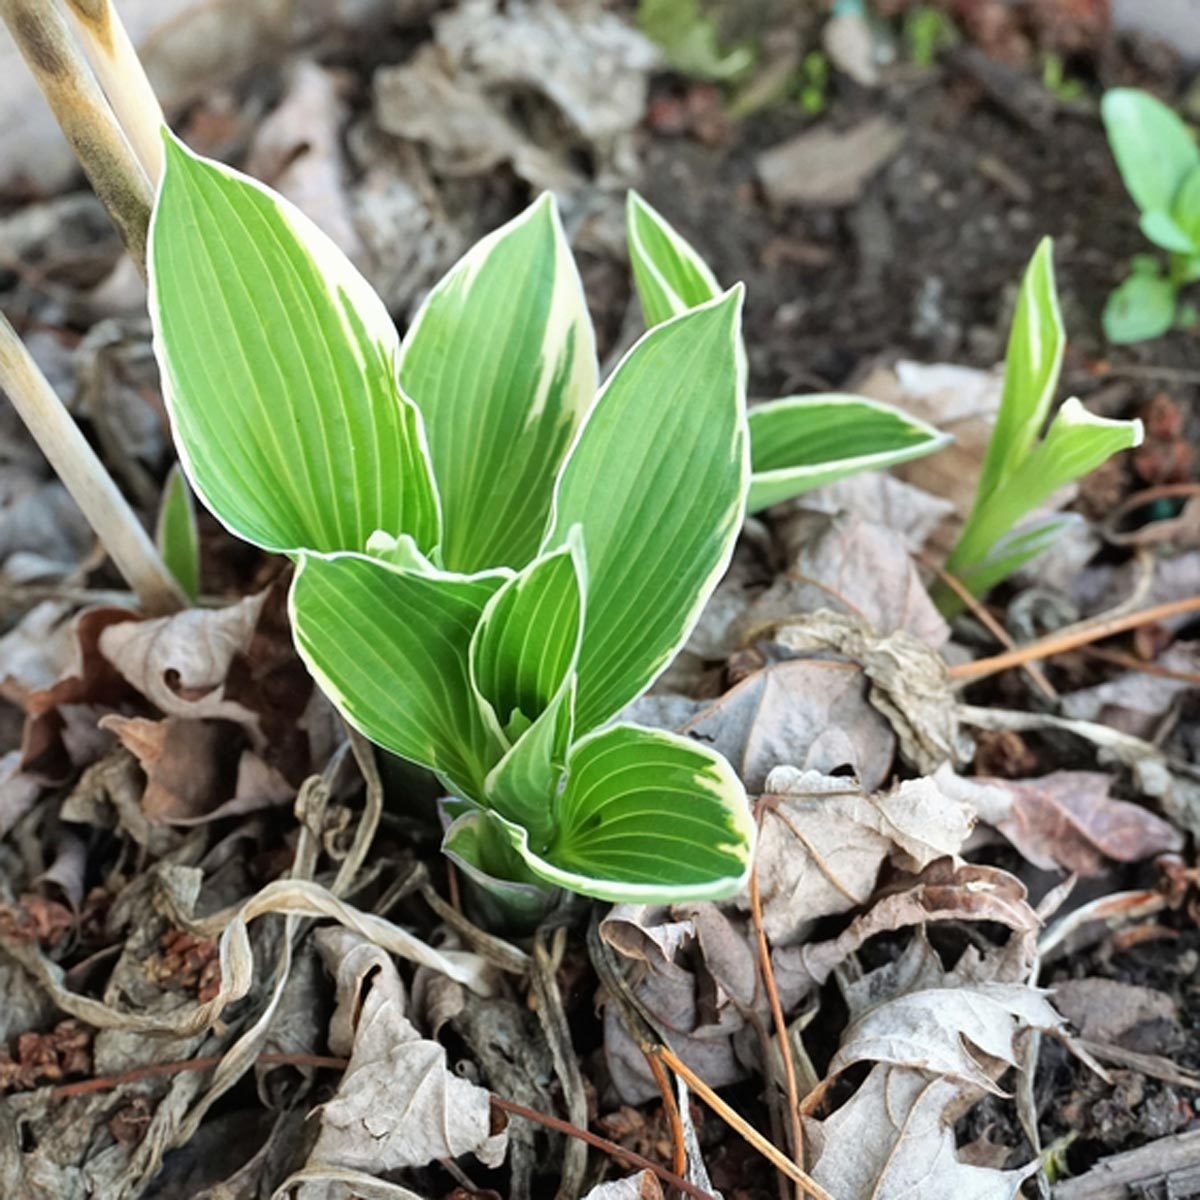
<point x="494" y="555"/>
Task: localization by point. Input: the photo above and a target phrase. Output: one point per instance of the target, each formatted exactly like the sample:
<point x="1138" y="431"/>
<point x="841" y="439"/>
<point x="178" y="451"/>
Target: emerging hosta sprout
<point x="493" y="554"/>
<point x="1023" y="467"/>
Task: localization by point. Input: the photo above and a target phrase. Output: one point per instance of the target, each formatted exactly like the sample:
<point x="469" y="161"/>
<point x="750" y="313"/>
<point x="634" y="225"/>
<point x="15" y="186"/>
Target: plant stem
<point x="62" y="72"/>
<point x="84" y="476"/>
<point x="123" y="79"/>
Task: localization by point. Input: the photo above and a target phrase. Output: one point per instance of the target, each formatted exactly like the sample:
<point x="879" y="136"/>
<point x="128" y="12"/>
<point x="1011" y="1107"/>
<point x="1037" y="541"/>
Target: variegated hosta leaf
<point x="278" y="366"/>
<point x="509" y="894"/>
<point x="501" y="361"/>
<point x="646" y="816"/>
<point x="797" y="443"/>
<point x="389" y="647"/>
<point x="1035" y="352"/>
<point x="523" y="657"/>
<point x="1022" y="545"/>
<point x="669" y="275"/>
<point x="802" y="442"/>
<point x="1076" y="442"/>
<point x="658" y="480"/>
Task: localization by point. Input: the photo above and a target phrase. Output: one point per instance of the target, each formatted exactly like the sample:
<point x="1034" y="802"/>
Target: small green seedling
<point x="797" y="443"/>
<point x="814" y="83"/>
<point x="1160" y="164"/>
<point x="1021" y="469"/>
<point x="494" y="555"/>
<point x="176" y="536"/>
<point x="928" y="32"/>
<point x="689" y="41"/>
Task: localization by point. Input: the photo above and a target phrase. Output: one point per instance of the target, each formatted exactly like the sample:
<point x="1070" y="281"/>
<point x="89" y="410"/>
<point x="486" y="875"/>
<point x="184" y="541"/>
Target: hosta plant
<point x="797" y="443"/>
<point x="1023" y="467"/>
<point x="1160" y="164"/>
<point x="494" y="554"/>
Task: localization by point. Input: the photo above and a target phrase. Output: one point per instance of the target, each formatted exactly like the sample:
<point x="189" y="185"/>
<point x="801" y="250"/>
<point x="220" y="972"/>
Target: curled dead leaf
<point x="824" y="840"/>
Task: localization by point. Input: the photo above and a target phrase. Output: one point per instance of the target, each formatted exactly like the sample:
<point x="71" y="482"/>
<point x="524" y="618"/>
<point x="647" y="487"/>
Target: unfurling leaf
<point x="278" y="364"/>
<point x="1141" y="308"/>
<point x="390" y="647"/>
<point x="645" y="815"/>
<point x="501" y="361"/>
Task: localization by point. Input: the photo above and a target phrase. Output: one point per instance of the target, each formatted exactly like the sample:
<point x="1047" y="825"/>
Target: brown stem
<point x="84" y="476"/>
<point x="1057" y="643"/>
<point x="123" y="79"/>
<point x="62" y="72"/>
<point x="767" y="972"/>
<point x="771" y="1153"/>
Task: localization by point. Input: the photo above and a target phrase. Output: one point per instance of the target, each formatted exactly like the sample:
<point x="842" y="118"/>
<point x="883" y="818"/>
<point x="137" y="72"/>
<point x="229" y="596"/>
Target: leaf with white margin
<point x="1036" y="345"/>
<point x="1017" y="548"/>
<point x="657" y="479"/>
<point x="389" y="647"/>
<point x="802" y="442"/>
<point x="278" y="366"/>
<point x="646" y="816"/>
<point x="501" y="361"/>
<point x="669" y="274"/>
<point x="523" y="656"/>
<point x="797" y="443"/>
<point x="1076" y="442"/>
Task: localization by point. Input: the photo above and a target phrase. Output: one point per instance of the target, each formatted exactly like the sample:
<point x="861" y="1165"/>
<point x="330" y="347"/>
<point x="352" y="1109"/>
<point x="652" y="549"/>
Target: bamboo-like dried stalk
<point x="123" y="79"/>
<point x="44" y="38"/>
<point x="84" y="476"/>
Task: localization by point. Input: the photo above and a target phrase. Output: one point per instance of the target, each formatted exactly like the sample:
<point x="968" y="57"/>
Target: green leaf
<point x="523" y="658"/>
<point x="688" y="39"/>
<point x="1015" y="549"/>
<point x="511" y="895"/>
<point x="501" y="361"/>
<point x="646" y="816"/>
<point x="176" y="536"/>
<point x="1142" y="307"/>
<point x="802" y="442"/>
<point x="669" y="274"/>
<point x="1186" y="210"/>
<point x="1032" y="365"/>
<point x="278" y="365"/>
<point x="1163" y="230"/>
<point x="657" y="479"/>
<point x="1077" y="442"/>
<point x="1154" y="149"/>
<point x="389" y="647"/>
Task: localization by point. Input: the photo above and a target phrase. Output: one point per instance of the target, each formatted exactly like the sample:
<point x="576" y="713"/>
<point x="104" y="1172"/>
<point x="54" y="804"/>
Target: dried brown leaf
<point x="824" y="840"/>
<point x="845" y="563"/>
<point x="894" y="1140"/>
<point x="398" y="1104"/>
<point x="1068" y="819"/>
<point x="642" y="1186"/>
<point x="945" y="891"/>
<point x="810" y="714"/>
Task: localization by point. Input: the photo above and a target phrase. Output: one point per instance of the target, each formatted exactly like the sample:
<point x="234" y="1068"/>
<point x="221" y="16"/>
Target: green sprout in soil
<point x="814" y="83"/>
<point x="689" y="40"/>
<point x="928" y="33"/>
<point x="1023" y="468"/>
<point x="1160" y="164"/>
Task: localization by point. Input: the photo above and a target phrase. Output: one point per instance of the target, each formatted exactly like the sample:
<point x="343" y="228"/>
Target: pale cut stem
<point x="124" y="80"/>
<point x="44" y="38"/>
<point x="84" y="476"/>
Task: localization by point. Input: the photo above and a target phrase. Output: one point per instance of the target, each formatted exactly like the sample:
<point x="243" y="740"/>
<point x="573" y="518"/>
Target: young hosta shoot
<point x="1159" y="161"/>
<point x="1022" y="470"/>
<point x="493" y="555"/>
<point x="176" y="536"/>
<point x="797" y="443"/>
